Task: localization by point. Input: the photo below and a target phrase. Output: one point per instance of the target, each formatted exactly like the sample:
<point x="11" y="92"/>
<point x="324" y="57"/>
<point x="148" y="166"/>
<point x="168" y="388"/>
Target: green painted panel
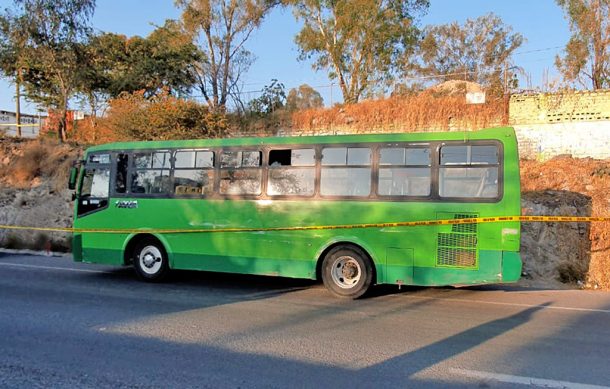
<point x="247" y="265"/>
<point x="511" y="266"/>
<point x="399" y="266"/>
<point x="489" y="271"/>
<point x="106" y="256"/>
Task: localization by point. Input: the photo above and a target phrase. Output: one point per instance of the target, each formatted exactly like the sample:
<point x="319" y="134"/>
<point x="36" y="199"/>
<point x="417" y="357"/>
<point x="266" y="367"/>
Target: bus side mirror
<point x="72" y="179"/>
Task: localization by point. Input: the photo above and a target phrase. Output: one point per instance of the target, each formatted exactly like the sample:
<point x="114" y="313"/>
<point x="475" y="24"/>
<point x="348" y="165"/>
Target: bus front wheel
<point x="347" y="271"/>
<point x="150" y="260"/>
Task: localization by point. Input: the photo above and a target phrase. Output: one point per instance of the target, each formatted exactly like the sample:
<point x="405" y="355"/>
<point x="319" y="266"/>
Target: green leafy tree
<point x="272" y="98"/>
<point x="160" y="62"/>
<point x="303" y="97"/>
<point x="13" y="60"/>
<point x="221" y="28"/>
<point x="50" y="61"/>
<point x="479" y="50"/>
<point x="359" y="42"/>
<point x="587" y="53"/>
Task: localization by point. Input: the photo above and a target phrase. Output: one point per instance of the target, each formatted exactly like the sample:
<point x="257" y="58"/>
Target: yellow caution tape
<point x="19" y="125"/>
<point x="478" y="220"/>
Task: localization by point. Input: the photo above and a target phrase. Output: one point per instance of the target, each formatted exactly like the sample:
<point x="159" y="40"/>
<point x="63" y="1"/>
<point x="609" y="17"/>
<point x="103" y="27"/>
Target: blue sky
<point x="541" y="22"/>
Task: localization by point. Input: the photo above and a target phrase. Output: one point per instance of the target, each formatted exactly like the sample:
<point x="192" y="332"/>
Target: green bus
<point x="267" y="206"/>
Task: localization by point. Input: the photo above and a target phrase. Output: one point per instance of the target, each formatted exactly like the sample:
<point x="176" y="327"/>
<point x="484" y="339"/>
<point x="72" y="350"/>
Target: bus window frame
<point x="414" y="145"/>
<point x="132" y="169"/>
<point x="372" y="196"/>
<point x="434" y="196"/>
<point x="89" y="165"/>
<point x="500" y="166"/>
<point x="173" y="168"/>
<point x="219" y="169"/>
<point x="316" y="167"/>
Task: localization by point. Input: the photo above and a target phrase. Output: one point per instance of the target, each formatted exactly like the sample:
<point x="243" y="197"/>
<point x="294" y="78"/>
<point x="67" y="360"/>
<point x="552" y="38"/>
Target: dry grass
<point x="36" y="160"/>
<point x="423" y="112"/>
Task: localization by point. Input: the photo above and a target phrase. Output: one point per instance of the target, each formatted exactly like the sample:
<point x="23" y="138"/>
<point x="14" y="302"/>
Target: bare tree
<point x="221" y="28"/>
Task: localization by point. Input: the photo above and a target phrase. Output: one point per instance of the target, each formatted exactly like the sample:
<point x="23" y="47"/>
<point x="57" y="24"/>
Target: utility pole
<point x="18" y="107"/>
<point x="506" y="96"/>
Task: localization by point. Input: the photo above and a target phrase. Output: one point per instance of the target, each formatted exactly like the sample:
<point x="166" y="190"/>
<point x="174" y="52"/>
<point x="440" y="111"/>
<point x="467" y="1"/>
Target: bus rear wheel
<point x="347" y="271"/>
<point x="150" y="260"/>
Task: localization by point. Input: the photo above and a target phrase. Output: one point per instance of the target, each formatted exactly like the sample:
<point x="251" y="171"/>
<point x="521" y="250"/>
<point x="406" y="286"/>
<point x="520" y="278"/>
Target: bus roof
<point x="490" y="133"/>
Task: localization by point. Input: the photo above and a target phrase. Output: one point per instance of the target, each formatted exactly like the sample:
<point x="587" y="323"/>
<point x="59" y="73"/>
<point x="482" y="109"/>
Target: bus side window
<point x="404" y="171"/>
<point x="152" y="173"/>
<point x="346" y="171"/>
<point x="241" y="173"/>
<point x="469" y="171"/>
<point x="193" y="172"/>
<point x="291" y="172"/>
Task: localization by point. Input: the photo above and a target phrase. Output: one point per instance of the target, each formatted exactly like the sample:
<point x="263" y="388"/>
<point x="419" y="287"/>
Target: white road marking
<point x="53" y="268"/>
<point x="521" y="305"/>
<point x="515" y="379"/>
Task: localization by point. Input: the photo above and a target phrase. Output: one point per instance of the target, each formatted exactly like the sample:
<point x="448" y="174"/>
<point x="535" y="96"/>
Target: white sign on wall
<point x="475" y="98"/>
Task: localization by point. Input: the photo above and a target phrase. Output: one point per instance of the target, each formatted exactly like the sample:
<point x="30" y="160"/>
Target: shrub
<point x="135" y="117"/>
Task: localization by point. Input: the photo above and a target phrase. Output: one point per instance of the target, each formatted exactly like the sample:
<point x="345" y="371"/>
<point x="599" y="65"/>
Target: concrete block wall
<point x="579" y="139"/>
<point x="551" y="124"/>
<point x="581" y="106"/>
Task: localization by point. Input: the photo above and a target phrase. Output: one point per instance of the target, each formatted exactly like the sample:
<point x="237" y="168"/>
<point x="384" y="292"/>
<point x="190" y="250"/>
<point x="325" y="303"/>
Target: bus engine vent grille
<point x="470" y="228"/>
<point x="458" y="248"/>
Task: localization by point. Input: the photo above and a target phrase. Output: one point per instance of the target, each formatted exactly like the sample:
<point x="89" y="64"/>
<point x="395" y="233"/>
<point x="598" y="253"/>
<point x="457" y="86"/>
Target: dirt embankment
<point x="33" y="192"/>
<point x="569" y="252"/>
<point x="555" y="253"/>
<point x="33" y="181"/>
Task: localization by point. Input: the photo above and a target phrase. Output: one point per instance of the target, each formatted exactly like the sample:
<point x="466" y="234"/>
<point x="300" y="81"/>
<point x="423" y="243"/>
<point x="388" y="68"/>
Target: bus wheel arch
<point x="149" y="256"/>
<point x="341" y="256"/>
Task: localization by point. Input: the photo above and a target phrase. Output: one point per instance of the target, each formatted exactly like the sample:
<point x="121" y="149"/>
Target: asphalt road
<point x="64" y="324"/>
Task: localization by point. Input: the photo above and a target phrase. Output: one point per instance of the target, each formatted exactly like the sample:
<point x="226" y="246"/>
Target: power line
<point x="538" y="50"/>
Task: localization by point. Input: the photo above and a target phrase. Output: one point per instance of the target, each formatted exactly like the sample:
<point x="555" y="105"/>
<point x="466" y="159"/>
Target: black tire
<point x="150" y="260"/>
<point x="347" y="271"/>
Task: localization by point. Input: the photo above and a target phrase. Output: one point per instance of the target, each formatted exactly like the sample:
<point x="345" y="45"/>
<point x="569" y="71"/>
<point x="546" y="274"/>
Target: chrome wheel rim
<point x="346" y="272"/>
<point x="150" y="260"/>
